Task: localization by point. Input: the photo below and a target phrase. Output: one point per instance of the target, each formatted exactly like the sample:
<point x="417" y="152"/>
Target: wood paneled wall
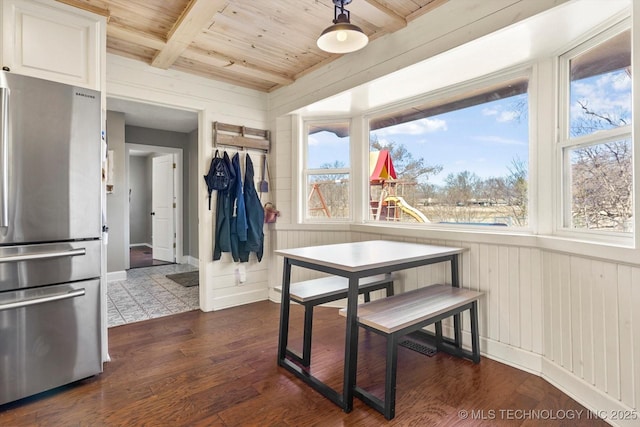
<point x="540" y="309"/>
<point x="592" y="323"/>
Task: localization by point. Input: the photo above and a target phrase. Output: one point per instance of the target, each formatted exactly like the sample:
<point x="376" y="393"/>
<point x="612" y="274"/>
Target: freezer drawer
<point x="49" y="336"/>
<point x="26" y="266"/>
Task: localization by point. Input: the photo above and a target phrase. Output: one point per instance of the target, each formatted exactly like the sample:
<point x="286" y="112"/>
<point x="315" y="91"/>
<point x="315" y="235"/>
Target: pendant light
<point x="342" y="36"/>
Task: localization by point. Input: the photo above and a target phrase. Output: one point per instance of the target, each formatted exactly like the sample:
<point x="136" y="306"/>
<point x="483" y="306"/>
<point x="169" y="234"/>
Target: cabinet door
<point x="52" y="41"/>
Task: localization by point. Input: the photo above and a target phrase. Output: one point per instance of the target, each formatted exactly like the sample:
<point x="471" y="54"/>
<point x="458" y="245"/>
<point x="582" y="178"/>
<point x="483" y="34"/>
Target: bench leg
<point x="306" y="338"/>
<point x="457" y="330"/>
<point x="438" y="333"/>
<point x="389" y="289"/>
<point x="390" y="377"/>
<point x="475" y="335"/>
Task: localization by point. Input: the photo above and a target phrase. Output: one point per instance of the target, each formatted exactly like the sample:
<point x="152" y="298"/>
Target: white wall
<point x="214" y="101"/>
<point x="116" y="200"/>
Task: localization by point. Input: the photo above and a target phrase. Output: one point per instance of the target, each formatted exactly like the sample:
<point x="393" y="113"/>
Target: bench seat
<point x="399" y="315"/>
<point x="409" y="308"/>
<point x="310" y="293"/>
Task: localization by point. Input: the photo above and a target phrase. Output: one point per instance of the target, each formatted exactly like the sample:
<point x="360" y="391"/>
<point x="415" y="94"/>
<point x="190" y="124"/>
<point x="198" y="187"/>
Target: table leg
<point x="457" y="321"/>
<point x="351" y="345"/>
<point x="283" y="333"/>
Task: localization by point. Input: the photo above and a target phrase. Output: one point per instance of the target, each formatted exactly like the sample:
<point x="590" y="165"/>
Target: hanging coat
<point x="224" y="209"/>
<point x="255" y="216"/>
<point x="238" y="212"/>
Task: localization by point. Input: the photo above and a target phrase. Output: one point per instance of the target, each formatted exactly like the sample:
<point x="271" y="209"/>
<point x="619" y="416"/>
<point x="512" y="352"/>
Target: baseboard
<point x="133" y="245"/>
<point x="599" y="403"/>
<point x="116" y="276"/>
<point x="188" y="259"/>
<point x="227" y="301"/>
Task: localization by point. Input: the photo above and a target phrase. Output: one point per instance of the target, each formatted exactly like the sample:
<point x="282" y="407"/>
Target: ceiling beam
<point x="209" y="58"/>
<point x="378" y="14"/>
<point x="193" y="19"/>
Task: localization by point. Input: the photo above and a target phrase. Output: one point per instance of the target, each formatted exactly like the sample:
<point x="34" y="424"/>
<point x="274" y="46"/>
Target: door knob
<point x="153" y="213"/>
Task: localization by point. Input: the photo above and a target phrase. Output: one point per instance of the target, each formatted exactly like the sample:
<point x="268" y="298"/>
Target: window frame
<point x="565" y="143"/>
<point x="444" y="95"/>
<point x="307" y="172"/>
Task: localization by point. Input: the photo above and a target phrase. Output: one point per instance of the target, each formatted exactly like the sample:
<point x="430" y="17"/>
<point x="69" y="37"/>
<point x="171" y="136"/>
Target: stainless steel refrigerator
<point x="50" y="230"/>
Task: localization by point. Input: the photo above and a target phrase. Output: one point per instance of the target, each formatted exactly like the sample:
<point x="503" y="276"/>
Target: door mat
<point x="425" y="349"/>
<point x="185" y="279"/>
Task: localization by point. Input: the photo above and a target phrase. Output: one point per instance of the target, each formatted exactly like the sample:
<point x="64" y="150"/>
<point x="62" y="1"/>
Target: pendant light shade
<point x="342" y="36"/>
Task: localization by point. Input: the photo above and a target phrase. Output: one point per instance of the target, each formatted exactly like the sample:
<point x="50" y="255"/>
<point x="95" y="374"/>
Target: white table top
<point x="358" y="256"/>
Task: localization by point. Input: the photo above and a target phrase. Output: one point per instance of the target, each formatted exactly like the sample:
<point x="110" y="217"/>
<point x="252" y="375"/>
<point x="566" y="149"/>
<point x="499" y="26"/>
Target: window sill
<point x="603" y="251"/>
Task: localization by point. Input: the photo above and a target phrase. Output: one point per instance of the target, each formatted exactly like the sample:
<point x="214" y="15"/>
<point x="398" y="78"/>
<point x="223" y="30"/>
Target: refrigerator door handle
<point x="4" y="157"/>
<point x="42" y="255"/>
<point x="34" y="301"/>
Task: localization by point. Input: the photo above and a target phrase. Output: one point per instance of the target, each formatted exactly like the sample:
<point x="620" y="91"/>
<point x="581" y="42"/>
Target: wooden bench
<point x="310" y="293"/>
<point x="399" y="315"/>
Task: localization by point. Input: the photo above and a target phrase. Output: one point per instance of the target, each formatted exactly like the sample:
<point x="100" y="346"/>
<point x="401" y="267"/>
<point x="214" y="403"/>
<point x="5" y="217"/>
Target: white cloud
<point x="501" y="115"/>
<point x="608" y="94"/>
<point x="508" y="116"/>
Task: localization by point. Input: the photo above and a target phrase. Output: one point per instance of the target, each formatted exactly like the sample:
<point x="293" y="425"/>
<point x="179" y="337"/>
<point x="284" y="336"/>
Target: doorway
<point x="156" y="209"/>
<point x="152" y="130"/>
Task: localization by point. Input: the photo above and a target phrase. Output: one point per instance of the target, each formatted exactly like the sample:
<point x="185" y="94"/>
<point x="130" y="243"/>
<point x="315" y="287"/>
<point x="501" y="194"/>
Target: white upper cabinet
<point x="53" y="41"/>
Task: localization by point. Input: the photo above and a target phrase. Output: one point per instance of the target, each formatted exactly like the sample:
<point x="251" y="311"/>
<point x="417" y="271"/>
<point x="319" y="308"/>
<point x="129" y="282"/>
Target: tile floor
<point x="147" y="294"/>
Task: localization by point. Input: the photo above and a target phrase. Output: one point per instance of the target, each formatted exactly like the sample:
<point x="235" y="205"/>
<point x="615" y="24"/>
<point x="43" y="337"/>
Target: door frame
<point x="177" y="191"/>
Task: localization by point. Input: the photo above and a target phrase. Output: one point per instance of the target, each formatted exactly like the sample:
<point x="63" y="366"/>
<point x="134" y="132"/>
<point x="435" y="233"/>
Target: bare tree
<point x="407" y="168"/>
<point x="602" y="174"/>
<point x="602" y="186"/>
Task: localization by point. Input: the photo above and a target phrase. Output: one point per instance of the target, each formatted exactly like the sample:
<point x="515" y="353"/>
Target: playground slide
<point x="407" y="208"/>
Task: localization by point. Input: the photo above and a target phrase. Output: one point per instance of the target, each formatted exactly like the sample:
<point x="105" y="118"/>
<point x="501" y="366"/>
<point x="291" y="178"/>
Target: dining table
<point x="355" y="260"/>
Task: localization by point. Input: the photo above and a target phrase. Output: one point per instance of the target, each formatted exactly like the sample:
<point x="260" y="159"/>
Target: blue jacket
<point x="255" y="216"/>
<point x="238" y="213"/>
<point x="224" y="210"/>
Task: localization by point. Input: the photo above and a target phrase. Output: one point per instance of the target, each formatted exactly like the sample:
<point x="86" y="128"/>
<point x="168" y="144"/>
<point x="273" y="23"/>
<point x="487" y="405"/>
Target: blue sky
<point x="482" y="139"/>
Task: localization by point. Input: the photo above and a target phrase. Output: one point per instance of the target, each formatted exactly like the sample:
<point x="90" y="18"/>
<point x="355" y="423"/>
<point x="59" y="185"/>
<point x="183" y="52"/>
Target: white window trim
<point x="563" y="142"/>
<point x="304" y="173"/>
<point x="527" y="70"/>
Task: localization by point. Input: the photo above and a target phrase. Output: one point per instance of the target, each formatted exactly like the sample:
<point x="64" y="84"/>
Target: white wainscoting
<point x="570" y="319"/>
<point x="592" y="326"/>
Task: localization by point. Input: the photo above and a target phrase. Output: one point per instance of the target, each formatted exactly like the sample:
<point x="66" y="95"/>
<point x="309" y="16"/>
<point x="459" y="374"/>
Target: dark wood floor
<point x="219" y="369"/>
<point x="142" y="256"/>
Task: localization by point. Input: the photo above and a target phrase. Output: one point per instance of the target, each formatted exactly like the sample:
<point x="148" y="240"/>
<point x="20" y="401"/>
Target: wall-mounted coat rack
<point x="241" y="137"/>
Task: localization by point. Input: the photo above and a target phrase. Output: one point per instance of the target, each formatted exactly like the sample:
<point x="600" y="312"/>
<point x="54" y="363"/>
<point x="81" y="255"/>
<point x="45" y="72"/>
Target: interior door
<point x="163" y="211"/>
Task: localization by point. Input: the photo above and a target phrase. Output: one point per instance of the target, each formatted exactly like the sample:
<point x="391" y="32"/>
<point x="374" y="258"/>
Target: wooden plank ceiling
<point x="259" y="44"/>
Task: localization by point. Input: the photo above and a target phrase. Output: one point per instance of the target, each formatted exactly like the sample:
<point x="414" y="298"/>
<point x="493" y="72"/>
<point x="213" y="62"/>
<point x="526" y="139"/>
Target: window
<point x="327" y="171"/>
<point x="595" y="139"/>
<point x="461" y="158"/>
